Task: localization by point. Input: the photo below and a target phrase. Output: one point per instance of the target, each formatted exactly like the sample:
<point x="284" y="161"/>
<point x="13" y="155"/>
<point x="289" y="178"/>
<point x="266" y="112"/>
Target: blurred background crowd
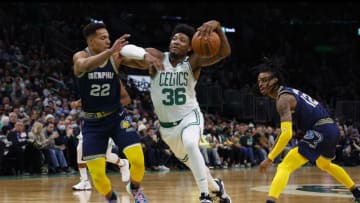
<point x="317" y="45"/>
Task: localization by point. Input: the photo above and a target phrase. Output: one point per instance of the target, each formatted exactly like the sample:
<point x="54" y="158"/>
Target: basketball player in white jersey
<point x="174" y="98"/>
<point x="123" y="164"/>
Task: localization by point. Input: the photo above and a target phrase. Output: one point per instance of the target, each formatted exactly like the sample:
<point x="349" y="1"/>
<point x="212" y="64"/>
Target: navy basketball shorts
<point x="96" y="134"/>
<point x="320" y="141"/>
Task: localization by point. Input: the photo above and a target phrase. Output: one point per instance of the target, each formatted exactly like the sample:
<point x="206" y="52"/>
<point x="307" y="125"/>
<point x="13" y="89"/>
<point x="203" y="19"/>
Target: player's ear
<point x="274" y="81"/>
<point x="89" y="40"/>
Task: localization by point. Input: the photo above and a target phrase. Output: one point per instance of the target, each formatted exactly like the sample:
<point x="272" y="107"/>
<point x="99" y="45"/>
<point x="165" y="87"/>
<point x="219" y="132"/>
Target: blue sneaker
<point x="113" y="198"/>
<point x="136" y="193"/>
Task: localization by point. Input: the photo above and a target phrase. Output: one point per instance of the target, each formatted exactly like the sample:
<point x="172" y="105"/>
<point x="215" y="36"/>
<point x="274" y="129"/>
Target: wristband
<point x="133" y="52"/>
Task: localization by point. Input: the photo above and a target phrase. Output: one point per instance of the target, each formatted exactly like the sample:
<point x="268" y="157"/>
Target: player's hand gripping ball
<point x="206" y="47"/>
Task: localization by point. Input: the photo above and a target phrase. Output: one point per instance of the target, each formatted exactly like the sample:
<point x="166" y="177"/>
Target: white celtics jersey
<point x="173" y="91"/>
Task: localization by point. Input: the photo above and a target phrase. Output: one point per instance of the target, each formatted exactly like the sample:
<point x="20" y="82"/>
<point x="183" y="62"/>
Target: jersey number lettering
<point x="312" y="102"/>
<point x="100" y="90"/>
<point x="174" y="96"/>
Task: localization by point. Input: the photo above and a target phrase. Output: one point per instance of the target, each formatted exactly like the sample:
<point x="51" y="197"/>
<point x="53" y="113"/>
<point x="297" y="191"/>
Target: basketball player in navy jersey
<point x="111" y="157"/>
<point x="317" y="146"/>
<point x="96" y="68"/>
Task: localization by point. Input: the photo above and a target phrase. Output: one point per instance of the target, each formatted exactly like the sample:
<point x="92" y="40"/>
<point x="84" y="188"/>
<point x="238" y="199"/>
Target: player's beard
<point x="174" y="56"/>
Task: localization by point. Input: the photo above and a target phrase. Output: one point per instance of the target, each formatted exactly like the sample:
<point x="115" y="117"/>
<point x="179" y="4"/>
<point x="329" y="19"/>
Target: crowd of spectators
<point x="38" y="130"/>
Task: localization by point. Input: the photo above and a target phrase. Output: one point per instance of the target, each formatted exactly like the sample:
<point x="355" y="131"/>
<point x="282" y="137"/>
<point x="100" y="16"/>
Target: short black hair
<point x="91" y="28"/>
<point x="268" y="65"/>
<point x="185" y="29"/>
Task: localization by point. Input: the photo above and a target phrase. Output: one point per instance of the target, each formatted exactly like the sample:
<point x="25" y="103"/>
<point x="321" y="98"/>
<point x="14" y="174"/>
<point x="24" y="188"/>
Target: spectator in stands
<point x="212" y="151"/>
<point x="10" y="124"/>
<point x="351" y="147"/>
<point x="19" y="139"/>
<point x="261" y="145"/>
<point x="33" y="151"/>
<point x="54" y="153"/>
<point x="50" y="118"/>
<point x="155" y="150"/>
<point x="248" y="143"/>
<point x="339" y="155"/>
<point x="204" y="145"/>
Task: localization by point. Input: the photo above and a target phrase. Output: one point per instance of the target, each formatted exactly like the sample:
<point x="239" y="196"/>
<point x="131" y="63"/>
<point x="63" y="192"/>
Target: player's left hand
<point x="264" y="165"/>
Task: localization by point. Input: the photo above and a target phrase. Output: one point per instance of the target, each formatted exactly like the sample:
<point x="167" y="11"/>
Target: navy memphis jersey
<point x="308" y="111"/>
<point x="100" y="88"/>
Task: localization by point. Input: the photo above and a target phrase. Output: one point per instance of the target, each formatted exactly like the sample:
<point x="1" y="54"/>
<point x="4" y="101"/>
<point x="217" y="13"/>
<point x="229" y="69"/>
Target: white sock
<point x="121" y="162"/>
<point x="83" y="174"/>
<point x="112" y="158"/>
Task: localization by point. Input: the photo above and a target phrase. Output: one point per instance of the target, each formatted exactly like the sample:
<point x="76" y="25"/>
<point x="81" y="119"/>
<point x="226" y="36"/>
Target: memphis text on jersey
<point x="100" y="75"/>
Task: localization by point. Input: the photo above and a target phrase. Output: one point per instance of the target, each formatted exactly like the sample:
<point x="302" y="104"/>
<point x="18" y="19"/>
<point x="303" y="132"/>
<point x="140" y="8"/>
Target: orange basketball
<point x="208" y="47"/>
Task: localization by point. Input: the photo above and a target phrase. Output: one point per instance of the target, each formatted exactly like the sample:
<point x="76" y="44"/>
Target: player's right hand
<point x="119" y="43"/>
<point x="153" y="62"/>
<point x="206" y="28"/>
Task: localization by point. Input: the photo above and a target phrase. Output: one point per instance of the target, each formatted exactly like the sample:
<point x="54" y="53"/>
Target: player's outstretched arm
<point x="85" y="63"/>
<point x="152" y="60"/>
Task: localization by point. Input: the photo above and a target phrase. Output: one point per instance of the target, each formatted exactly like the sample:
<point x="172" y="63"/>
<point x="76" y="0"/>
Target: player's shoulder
<point x="285" y="96"/>
<point x="81" y="53"/>
<point x="285" y="102"/>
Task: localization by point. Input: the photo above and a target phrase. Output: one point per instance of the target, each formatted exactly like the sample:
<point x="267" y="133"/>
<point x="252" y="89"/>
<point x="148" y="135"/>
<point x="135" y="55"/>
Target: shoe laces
<point x="205" y="198"/>
<point x="138" y="195"/>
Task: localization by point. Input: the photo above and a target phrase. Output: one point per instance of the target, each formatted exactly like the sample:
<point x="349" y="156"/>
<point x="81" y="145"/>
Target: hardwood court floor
<point x="243" y="185"/>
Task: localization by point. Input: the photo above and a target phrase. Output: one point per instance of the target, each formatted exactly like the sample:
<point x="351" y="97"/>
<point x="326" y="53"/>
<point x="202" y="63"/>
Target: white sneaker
<point x="163" y="168"/>
<point x="125" y="171"/>
<point x="82" y="185"/>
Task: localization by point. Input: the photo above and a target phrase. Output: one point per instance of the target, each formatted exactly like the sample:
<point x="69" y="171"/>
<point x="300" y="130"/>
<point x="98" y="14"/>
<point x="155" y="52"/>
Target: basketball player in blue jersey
<point x="111" y="157"/>
<point x="321" y="133"/>
<point x="96" y="68"/>
<point x="174" y="98"/>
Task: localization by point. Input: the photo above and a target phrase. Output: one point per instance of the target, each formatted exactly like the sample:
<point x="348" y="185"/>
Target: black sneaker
<point x="205" y="198"/>
<point x="113" y="198"/>
<point x="356" y="193"/>
<point x="221" y="194"/>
